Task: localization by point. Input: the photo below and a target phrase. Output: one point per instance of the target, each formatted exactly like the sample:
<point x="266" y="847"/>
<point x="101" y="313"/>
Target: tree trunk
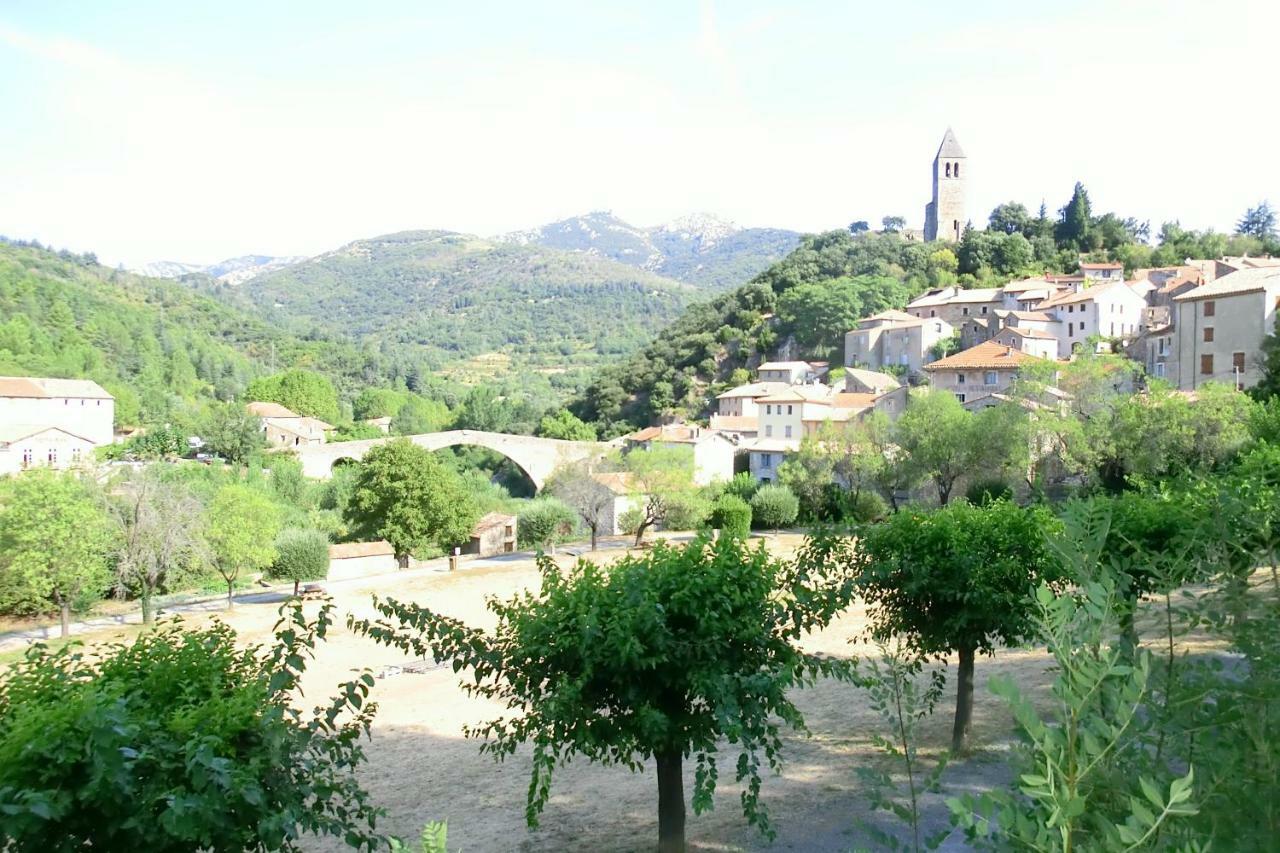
<point x="148" y="613"/>
<point x="670" y="802"/>
<point x="944" y="494"/>
<point x="65" y="607"/>
<point x="644" y="525"/>
<point x="964" y="704"/>
<point x="295" y="587"/>
<point x="230" y="587"/>
<point x="402" y="560"/>
<point x="593" y="538"/>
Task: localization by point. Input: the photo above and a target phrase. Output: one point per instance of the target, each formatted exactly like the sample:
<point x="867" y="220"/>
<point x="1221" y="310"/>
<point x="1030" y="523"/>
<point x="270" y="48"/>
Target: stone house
<point x="78" y="407"/>
<point x="787" y="372"/>
<point x="860" y="381"/>
<point x="1219" y="328"/>
<point x="892" y="339"/>
<point x="956" y="304"/>
<point x="988" y="368"/>
<point x="741" y="401"/>
<point x="1029" y="340"/>
<point x="494" y="533"/>
<point x="713" y="452"/>
<point x="284" y="428"/>
<point x="1102" y="273"/>
<point x="1113" y="310"/>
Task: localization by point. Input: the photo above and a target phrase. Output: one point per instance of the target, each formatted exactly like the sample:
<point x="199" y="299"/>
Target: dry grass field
<point x="421" y="767"/>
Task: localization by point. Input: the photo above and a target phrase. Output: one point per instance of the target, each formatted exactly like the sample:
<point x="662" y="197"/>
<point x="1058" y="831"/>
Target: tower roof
<point x="949" y="147"/>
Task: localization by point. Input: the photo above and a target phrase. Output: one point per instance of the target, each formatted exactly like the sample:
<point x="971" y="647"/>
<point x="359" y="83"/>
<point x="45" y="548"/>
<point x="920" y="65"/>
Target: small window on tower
<point x="948" y="167"/>
<point x="957" y="171"/>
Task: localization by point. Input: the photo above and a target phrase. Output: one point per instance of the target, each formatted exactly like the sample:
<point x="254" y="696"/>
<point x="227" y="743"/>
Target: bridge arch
<point x="537" y="457"/>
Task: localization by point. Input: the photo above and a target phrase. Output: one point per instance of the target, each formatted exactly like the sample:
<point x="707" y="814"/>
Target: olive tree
<point x="659" y="657"/>
<point x="591" y="499"/>
<point x="955" y="579"/>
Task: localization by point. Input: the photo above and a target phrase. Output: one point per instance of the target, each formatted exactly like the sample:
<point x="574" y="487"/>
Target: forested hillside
<point x="817" y="293"/>
<point x="451" y="297"/>
<point x="156" y="345"/>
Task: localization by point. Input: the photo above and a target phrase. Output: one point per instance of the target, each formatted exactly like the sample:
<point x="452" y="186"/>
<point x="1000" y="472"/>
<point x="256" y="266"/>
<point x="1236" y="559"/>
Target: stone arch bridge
<point x="537" y="457"/>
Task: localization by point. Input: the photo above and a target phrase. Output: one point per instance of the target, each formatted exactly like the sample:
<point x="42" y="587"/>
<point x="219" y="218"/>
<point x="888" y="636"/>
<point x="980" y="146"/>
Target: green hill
<point x="453" y="297"/>
<point x="161" y="348"/>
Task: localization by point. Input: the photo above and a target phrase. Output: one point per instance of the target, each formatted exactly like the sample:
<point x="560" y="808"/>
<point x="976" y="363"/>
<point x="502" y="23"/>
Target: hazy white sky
<point x="148" y="131"/>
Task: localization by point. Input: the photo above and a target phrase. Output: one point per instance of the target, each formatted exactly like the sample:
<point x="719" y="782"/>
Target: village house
<point x="956" y="304"/>
<point x="788" y="372"/>
<point x="494" y="533"/>
<point x="988" y="368"/>
<point x="741" y="401"/>
<point x="713" y="452"/>
<point x="1113" y="310"/>
<point x="53" y="423"/>
<point x="349" y="560"/>
<point x="1102" y="273"/>
<point x="894" y="339"/>
<point x="383" y="423"/>
<point x="1219" y="328"/>
<point x="860" y="381"/>
<point x="284" y="428"/>
<point x="1029" y="340"/>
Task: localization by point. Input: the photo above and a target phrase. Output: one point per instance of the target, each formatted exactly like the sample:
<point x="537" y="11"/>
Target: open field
<point x="422" y="768"/>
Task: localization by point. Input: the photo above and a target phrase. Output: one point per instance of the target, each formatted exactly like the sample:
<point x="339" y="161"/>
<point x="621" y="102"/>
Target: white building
<point x="1109" y="310"/>
<point x="788" y="372"/>
<point x="1220" y="327"/>
<point x="713" y="452"/>
<point x="52" y="422"/>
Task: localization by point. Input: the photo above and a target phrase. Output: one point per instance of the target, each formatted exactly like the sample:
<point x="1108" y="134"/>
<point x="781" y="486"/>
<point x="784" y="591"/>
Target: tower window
<point x="948" y="167"/>
<point x="957" y="170"/>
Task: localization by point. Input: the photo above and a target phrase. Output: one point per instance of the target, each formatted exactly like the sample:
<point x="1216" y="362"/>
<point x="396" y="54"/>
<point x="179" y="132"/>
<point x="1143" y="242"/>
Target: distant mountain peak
<point x="231" y="271"/>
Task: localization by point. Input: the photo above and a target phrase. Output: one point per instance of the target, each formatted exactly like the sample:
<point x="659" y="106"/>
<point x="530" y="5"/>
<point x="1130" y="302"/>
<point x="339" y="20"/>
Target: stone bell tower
<point x="944" y="217"/>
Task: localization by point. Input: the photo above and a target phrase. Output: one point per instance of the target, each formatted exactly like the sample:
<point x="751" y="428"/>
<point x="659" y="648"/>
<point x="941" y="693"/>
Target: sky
<point x="150" y="131"/>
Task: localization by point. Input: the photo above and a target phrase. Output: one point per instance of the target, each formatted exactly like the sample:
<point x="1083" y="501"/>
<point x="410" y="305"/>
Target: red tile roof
<point x="989" y="355"/>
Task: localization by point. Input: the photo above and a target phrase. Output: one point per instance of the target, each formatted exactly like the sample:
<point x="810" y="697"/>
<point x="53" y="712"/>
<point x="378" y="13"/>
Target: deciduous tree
<point x="630" y="663"/>
<point x="592" y="500"/>
<point x="55" y="537"/>
<point x="407" y="496"/>
<point x="243" y="525"/>
<point x="301" y="555"/>
<point x="955" y="579"/>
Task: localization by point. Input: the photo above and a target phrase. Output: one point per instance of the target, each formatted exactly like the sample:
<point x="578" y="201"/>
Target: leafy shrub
<point x="544" y="522"/>
<point x="731" y="515"/>
<point x="774" y="506"/>
<point x="181" y="741"/>
<point x="867" y="506"/>
<point x="301" y="555"/>
<point x="988" y="491"/>
<point x="743" y="486"/>
<point x="630" y="520"/>
<point x="685" y="512"/>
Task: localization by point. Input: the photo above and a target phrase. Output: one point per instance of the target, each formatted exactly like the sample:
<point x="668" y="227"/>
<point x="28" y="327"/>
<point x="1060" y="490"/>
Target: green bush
<point x="742" y="486"/>
<point x="867" y="506"/>
<point x="774" y="506"/>
<point x="301" y="555"/>
<point x="686" y="512"/>
<point x="544" y="522"/>
<point x="988" y="491"/>
<point x="182" y="740"/>
<point x="630" y="520"/>
<point x="731" y="515"/>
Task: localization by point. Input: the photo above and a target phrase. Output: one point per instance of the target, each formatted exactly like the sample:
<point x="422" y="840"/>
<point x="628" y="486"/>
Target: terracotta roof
<point x="43" y="387"/>
<point x="820" y="394"/>
<point x="1086" y="295"/>
<point x="735" y="423"/>
<point x="1033" y="316"/>
<point x="347" y="550"/>
<point x="851" y="400"/>
<point x="1109" y="266"/>
<point x="1040" y="283"/>
<point x="986" y="355"/>
<point x="490" y="520"/>
<point x="871" y="378"/>
<point x="270" y="410"/>
<point x="679" y="433"/>
<point x="1232" y="284"/>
